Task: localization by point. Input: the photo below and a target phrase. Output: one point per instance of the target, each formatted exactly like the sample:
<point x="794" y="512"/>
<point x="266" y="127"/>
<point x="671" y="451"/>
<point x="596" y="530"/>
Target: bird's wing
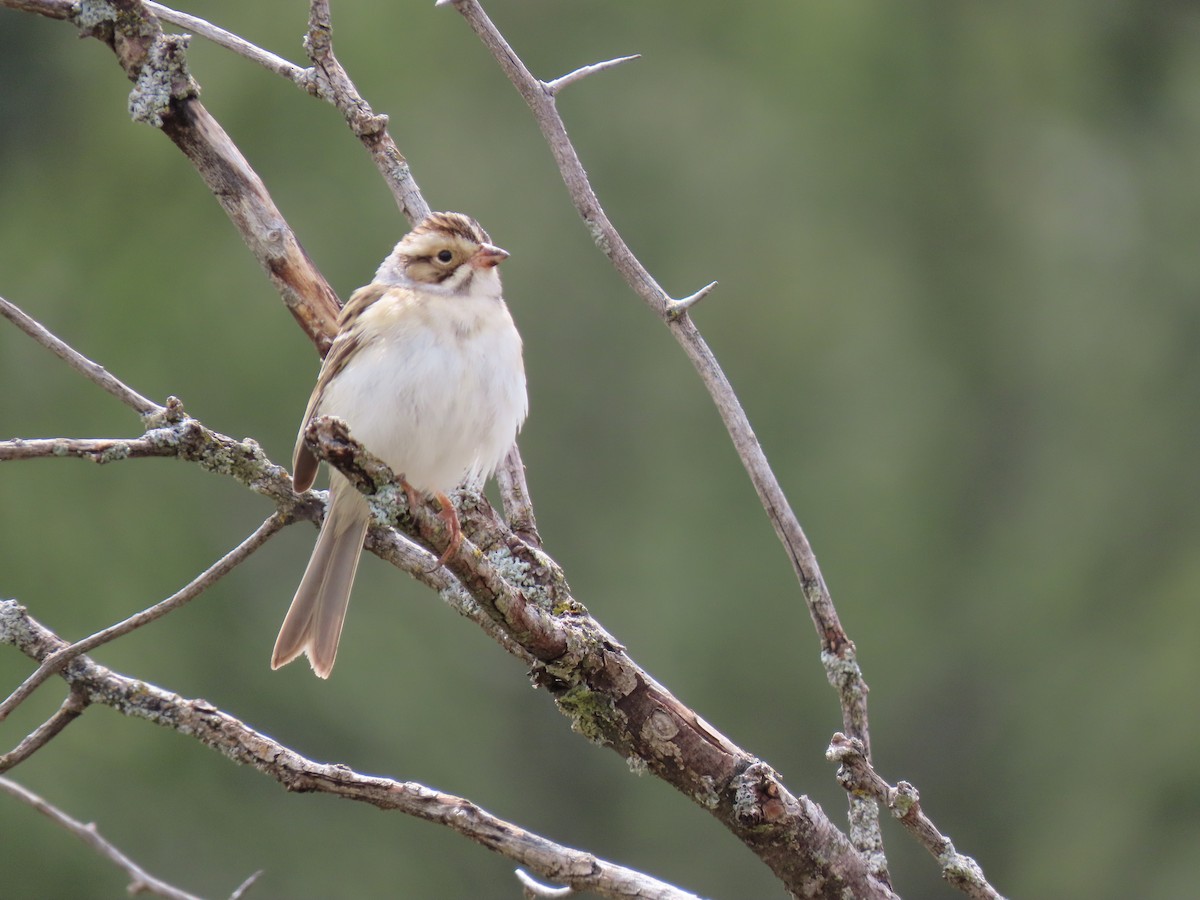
<point x="349" y="339"/>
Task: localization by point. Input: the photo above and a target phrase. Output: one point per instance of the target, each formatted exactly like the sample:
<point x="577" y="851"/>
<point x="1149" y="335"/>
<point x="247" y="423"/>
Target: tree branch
<point x="608" y="697"/>
<point x="51" y="9"/>
<point x="369" y="128"/>
<point x="97" y="450"/>
<point x="165" y="97"/>
<point x="220" y="731"/>
<point x="837" y="650"/>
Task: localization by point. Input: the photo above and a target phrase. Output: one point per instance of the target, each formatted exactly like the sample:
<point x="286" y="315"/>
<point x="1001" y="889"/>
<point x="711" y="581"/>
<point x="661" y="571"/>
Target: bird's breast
<point x="438" y="391"/>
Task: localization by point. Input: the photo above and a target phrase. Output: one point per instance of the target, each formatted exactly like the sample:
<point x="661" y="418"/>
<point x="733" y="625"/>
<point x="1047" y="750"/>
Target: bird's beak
<point x="488" y="256"/>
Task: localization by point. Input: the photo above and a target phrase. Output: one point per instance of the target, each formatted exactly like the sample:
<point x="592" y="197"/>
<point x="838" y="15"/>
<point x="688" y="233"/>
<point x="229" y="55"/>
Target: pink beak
<point x="488" y="256"/>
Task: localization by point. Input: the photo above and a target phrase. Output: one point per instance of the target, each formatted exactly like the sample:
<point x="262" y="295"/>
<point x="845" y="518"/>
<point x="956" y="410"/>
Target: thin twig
<point x="856" y="775"/>
<point x="242" y="888"/>
<point x="140" y="881"/>
<point x="193" y="589"/>
<point x="837" y="649"/>
<point x="584" y="71"/>
<point x="535" y="890"/>
<point x="67" y="713"/>
<point x="77" y="361"/>
<point x="514" y="492"/>
<point x="98" y="450"/>
<point x="679" y="307"/>
<point x="230" y="41"/>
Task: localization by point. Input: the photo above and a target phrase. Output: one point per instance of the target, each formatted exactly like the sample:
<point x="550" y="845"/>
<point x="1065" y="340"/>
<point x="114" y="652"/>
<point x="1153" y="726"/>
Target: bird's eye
<point x="445" y="256"/>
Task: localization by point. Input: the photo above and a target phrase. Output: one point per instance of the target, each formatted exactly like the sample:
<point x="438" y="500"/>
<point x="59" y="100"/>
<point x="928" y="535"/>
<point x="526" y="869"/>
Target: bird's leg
<point x="414" y="496"/>
<point x="450" y="517"/>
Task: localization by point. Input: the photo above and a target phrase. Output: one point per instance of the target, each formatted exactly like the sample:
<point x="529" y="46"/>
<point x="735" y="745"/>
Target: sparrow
<point x="426" y="370"/>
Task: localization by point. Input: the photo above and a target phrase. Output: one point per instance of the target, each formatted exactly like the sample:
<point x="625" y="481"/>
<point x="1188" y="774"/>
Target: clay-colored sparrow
<point x="427" y="372"/>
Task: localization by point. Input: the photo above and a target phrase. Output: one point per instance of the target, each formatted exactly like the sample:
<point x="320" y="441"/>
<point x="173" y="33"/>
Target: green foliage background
<point x="959" y="280"/>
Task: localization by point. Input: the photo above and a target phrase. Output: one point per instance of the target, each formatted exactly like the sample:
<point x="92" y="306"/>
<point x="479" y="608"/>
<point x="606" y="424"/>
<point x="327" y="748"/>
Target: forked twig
<point x="856" y="775"/>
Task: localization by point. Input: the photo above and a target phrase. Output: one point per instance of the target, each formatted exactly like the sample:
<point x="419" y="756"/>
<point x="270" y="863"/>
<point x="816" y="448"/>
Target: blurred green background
<point x="957" y="248"/>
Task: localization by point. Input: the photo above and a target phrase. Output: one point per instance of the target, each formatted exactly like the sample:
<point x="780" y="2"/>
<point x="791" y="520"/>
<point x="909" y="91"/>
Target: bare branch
<point x="837" y="648"/>
<point x="327" y="80"/>
<point x="141" y="881"/>
<point x="166" y="97"/>
<point x="514" y="492"/>
<point x="67" y="713"/>
<point x="856" y="774"/>
<point x="193" y="589"/>
<point x="51" y="9"/>
<point x="213" y="728"/>
<point x="98" y="450"/>
<point x="230" y="41"/>
<point x="608" y="697"/>
<point x="77" y="361"/>
<point x="553" y="87"/>
<point x="187" y="439"/>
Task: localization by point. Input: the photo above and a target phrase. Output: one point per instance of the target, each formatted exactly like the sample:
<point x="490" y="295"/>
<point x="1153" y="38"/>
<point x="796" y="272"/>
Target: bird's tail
<point x="313" y="624"/>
